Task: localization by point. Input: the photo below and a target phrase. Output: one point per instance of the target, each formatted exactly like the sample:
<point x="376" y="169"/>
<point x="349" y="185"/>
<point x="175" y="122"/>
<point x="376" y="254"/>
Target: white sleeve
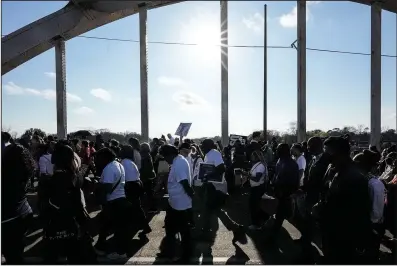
<point x="181" y="171"/>
<point x="42" y="165"/>
<point x="134" y="172"/>
<point x="108" y="175"/>
<point x="301" y="163"/>
<point x="218" y="160"/>
<point x="377" y="191"/>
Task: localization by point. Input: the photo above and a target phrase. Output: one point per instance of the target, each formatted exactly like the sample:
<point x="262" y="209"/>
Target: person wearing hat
<point x="345" y="210"/>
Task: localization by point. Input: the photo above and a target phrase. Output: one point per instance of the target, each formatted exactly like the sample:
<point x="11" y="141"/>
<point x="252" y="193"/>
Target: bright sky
<point x="184" y="81"/>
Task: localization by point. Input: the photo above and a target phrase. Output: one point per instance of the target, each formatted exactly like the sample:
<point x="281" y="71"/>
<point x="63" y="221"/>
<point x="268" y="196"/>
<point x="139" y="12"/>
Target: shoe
<point x="116" y="256"/>
<point x="253" y="227"/>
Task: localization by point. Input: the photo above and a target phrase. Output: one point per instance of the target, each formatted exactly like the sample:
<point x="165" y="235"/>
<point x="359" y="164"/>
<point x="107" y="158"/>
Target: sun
<point x="208" y="40"/>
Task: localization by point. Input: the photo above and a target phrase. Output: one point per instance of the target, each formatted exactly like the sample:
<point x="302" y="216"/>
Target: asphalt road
<point x="251" y="246"/>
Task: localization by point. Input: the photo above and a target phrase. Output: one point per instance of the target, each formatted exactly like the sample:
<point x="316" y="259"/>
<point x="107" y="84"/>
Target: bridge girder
<point x="78" y="17"/>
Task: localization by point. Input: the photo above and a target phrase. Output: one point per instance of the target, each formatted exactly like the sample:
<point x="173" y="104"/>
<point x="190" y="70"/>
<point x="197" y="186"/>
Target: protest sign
<point x="183" y="129"/>
<point x="206" y="173"/>
<point x="233" y="138"/>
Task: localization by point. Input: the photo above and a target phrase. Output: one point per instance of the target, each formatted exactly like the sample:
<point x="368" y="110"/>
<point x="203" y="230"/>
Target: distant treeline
<point x="359" y="134"/>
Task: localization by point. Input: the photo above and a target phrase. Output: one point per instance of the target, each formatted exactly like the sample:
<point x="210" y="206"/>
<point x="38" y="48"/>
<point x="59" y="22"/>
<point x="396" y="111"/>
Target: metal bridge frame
<point x="80" y="16"/>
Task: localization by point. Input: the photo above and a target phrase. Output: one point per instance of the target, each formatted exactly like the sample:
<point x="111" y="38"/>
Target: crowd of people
<point x="349" y="199"/>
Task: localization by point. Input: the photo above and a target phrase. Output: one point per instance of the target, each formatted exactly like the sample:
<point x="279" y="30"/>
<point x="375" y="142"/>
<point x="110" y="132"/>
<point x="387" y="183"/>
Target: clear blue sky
<point x="103" y="76"/>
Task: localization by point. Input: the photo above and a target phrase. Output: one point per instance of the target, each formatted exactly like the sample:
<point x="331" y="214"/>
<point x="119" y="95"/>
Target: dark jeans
<point x="118" y="215"/>
<point x="179" y="222"/>
<point x="148" y="186"/>
<point x="338" y="250"/>
<point x="140" y="220"/>
<point x="283" y="210"/>
<point x="257" y="215"/>
<point x="378" y="231"/>
<point x="13" y="238"/>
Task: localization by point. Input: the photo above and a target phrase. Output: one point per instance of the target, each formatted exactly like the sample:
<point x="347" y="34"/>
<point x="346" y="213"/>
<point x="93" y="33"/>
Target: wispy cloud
<point x="12" y="89"/>
<point x="170" y="81"/>
<point x="102" y="94"/>
<point x="84" y="110"/>
<point x="254" y="22"/>
<point x="290" y="19"/>
<point x="188" y="100"/>
<point x="50" y="74"/>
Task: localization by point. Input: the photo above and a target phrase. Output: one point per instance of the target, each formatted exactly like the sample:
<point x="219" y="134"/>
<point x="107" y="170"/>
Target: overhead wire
<point x="232" y="46"/>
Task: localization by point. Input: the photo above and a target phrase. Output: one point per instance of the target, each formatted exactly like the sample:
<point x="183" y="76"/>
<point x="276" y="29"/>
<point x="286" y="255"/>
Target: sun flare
<point x="208" y="40"/>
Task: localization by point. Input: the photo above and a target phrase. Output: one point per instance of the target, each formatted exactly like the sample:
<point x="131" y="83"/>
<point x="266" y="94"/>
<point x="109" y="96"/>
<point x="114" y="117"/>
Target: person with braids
<point x="18" y="167"/>
<point x="66" y="221"/>
<point x="258" y="178"/>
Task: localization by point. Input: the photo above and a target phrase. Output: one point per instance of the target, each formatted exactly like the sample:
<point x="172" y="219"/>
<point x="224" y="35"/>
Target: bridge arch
<point x="80" y="16"/>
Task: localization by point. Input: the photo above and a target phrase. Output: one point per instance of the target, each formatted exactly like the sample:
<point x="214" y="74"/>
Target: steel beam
<point x="376" y="73"/>
<point x="144" y="74"/>
<point x="60" y="68"/>
<point x="224" y="74"/>
<point x="72" y="20"/>
<point x="301" y="105"/>
<point x="265" y="73"/>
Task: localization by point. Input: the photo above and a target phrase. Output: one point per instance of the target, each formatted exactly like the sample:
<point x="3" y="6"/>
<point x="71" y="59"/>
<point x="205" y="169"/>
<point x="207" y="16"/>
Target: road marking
<point x="150" y="260"/>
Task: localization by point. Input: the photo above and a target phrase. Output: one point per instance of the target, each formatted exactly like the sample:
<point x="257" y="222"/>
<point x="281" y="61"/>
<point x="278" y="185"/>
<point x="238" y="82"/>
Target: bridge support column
<point x="301" y="123"/>
<point x="60" y="68"/>
<point x="144" y="74"/>
<point x="224" y="74"/>
<point x="265" y="73"/>
<point x="376" y="73"/>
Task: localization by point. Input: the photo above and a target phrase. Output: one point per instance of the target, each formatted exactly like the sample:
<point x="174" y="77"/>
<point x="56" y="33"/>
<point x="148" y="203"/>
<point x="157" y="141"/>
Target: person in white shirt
<point x="116" y="209"/>
<point x="215" y="193"/>
<point x="45" y="165"/>
<point x="134" y="188"/>
<point x="297" y="152"/>
<point x="178" y="215"/>
<point x="258" y="177"/>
